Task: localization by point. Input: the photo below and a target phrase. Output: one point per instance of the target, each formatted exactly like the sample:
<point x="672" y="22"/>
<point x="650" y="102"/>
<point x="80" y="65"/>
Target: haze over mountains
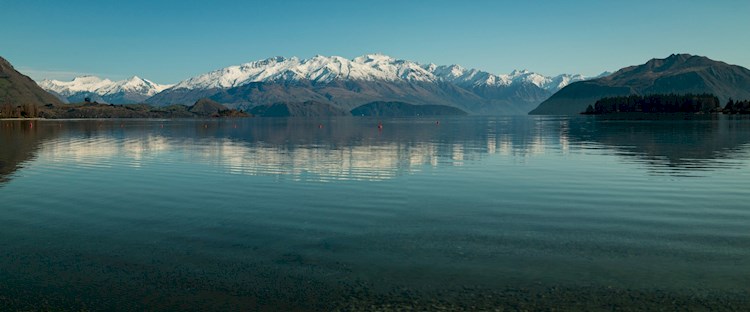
<point x="337" y="81"/>
<point x="678" y="73"/>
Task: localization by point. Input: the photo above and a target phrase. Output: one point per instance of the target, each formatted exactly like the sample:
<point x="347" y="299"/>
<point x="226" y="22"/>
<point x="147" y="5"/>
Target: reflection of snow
<point x="361" y="162"/>
<point x="148" y="147"/>
<point x="491" y="144"/>
<point x="93" y="151"/>
<point x="506" y="146"/>
<point x="458" y="155"/>
<point x="537" y="146"/>
<point x="564" y="141"/>
<point x="350" y="163"/>
<point x="363" y="159"/>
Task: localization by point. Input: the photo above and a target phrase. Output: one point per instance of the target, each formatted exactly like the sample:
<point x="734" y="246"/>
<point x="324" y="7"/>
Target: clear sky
<point x="168" y="41"/>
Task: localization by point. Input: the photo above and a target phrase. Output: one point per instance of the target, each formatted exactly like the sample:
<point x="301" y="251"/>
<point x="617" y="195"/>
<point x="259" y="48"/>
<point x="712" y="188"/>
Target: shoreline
<point x="120" y="118"/>
<point x="22" y="119"/>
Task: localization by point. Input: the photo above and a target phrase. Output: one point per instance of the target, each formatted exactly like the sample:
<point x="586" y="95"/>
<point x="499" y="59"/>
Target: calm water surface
<point x="292" y="214"/>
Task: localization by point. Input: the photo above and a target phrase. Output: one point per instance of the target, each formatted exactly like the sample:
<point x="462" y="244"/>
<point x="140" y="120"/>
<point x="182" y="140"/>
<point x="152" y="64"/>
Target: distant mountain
<point x="346" y="84"/>
<point x="303" y="109"/>
<point x="473" y="78"/>
<point x="19" y="95"/>
<point x="130" y="91"/>
<point x="371" y="67"/>
<point x="400" y="109"/>
<point x="678" y="73"/>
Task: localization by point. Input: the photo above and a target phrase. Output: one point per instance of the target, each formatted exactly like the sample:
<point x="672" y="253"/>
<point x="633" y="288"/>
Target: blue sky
<point x="167" y="41"/>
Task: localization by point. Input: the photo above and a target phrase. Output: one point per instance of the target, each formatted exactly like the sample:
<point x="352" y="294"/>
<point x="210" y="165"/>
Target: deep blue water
<point x="455" y="213"/>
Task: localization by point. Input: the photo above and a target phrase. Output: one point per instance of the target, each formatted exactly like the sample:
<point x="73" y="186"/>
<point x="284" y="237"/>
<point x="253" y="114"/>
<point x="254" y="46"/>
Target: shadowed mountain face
<point x="304" y="109"/>
<point x="19" y="94"/>
<point x="116" y="98"/>
<point x="678" y="73"/>
<point x="346" y="95"/>
<point x="396" y="109"/>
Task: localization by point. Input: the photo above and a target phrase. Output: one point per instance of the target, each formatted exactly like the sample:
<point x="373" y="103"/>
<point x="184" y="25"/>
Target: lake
<point x="464" y="213"/>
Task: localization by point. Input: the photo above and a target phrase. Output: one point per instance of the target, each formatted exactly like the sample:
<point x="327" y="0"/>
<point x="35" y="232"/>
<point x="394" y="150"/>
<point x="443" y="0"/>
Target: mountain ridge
<point x="368" y="67"/>
<point x="20" y="96"/>
<point x="348" y="83"/>
<point x="128" y="91"/>
<point x="677" y="73"/>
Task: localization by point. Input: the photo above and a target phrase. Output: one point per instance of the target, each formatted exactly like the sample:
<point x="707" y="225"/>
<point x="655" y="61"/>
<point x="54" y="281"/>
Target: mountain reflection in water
<point x="355" y="149"/>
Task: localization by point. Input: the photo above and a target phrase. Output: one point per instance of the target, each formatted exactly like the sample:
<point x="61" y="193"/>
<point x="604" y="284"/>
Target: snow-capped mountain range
<point x="334" y="80"/>
<point x="132" y="90"/>
<point x="370" y="67"/>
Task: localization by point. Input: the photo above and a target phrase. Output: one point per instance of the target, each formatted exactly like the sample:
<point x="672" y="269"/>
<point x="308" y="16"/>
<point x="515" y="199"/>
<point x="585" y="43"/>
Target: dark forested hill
<point x="677" y="74"/>
<point x="656" y="103"/>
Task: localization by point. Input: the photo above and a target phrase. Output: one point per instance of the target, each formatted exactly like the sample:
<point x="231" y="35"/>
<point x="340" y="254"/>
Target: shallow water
<point x="457" y="213"/>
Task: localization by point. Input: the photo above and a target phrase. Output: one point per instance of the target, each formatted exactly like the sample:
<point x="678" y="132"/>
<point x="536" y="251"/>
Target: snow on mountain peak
<point x="88" y="79"/>
<point x="318" y="68"/>
<point x="139" y="85"/>
<point x="374" y="57"/>
<point x="521" y="72"/>
<point x="368" y="67"/>
<point x="453" y="71"/>
<point x="97" y="85"/>
<point x="78" y="84"/>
